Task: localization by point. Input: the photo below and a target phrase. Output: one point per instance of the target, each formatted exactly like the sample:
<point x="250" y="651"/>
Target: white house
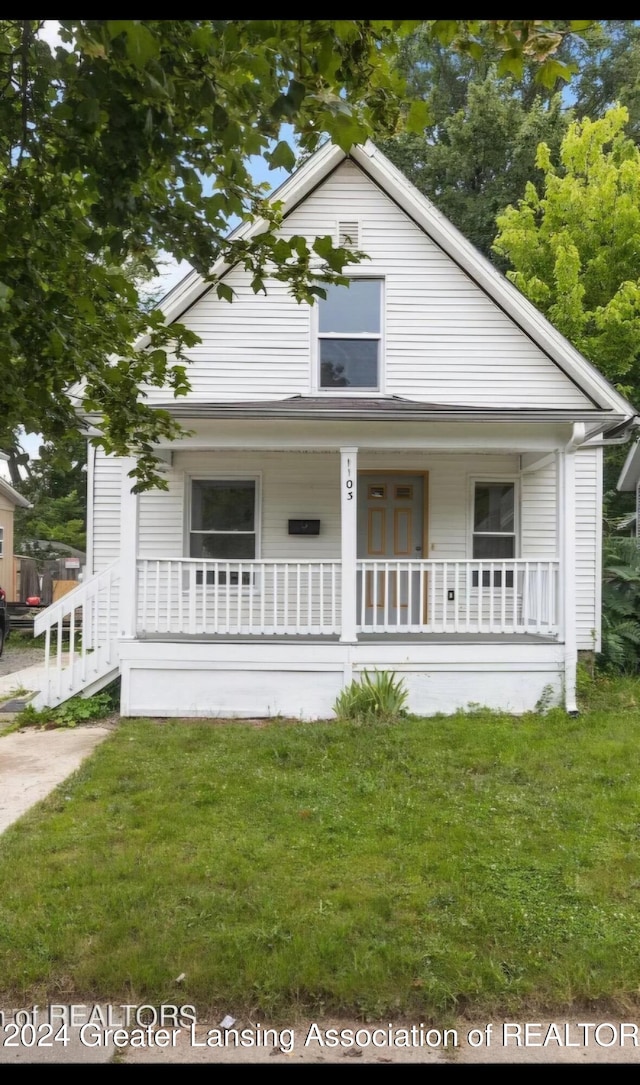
<point x="405" y="477"/>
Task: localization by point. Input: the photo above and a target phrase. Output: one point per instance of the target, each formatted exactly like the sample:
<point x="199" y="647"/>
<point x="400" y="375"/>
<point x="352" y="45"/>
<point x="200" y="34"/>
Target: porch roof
<point x="376" y="407"/>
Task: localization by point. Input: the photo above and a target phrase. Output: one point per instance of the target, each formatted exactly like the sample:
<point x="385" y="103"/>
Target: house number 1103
<point x="349" y="482"/>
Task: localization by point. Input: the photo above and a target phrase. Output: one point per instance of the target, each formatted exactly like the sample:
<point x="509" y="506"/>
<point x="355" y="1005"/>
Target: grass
<point x="23" y="640"/>
<point x="478" y="862"/>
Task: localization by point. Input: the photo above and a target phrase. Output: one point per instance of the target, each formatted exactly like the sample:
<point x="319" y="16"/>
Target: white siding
<point x="588" y="532"/>
<point x="161" y="519"/>
<point x="445" y="340"/>
<point x="300" y="486"/>
<point x="106" y="510"/>
<point x="539" y="536"/>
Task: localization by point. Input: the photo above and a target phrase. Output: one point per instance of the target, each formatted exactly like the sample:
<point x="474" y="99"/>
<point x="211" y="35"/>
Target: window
<point x="349" y="335"/>
<point x="223" y="523"/>
<point x="494" y="529"/>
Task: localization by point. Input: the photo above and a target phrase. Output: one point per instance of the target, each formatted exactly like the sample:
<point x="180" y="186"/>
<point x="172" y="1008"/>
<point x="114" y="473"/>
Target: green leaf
<point x="115" y="27"/>
<point x="551" y="70"/>
<point x="141" y="45"/>
<point x="323" y="246"/>
<point x="224" y="292"/>
<point x="281" y="156"/>
<point x="418" y="117"/>
<point x="511" y="63"/>
<point x="445" y="30"/>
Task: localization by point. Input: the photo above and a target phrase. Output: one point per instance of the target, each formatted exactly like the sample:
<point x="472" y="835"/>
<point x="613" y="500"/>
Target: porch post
<point x="128" y="604"/>
<point x="568" y="574"/>
<point x="349" y="534"/>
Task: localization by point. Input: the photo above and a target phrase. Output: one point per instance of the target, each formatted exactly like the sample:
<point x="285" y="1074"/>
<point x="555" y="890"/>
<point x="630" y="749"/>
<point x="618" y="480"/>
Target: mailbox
<point x="304" y="527"/>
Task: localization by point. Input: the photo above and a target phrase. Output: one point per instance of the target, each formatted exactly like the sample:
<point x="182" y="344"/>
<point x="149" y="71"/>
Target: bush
<point x="620" y="606"/>
<point x="379" y="697"/>
<point x="72" y="712"/>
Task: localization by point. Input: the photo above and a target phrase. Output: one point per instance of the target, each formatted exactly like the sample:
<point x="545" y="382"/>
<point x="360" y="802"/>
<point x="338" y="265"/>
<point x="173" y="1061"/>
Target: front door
<point x="390" y="528"/>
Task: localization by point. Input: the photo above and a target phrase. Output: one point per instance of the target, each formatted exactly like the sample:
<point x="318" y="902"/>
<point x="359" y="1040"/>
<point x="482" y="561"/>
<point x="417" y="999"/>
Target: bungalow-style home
<point x="10" y="499"/>
<point x="405" y="477"/>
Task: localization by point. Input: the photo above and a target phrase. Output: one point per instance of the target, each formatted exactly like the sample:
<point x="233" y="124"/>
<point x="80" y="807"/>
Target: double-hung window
<point x="223" y="523"/>
<point x="494" y="528"/>
<point x="350" y="335"/>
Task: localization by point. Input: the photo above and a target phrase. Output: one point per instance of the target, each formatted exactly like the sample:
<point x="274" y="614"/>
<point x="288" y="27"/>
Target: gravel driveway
<point x="16" y="659"/>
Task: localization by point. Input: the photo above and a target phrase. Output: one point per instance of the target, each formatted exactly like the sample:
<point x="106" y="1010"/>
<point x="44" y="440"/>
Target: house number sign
<point x="349" y="482"/>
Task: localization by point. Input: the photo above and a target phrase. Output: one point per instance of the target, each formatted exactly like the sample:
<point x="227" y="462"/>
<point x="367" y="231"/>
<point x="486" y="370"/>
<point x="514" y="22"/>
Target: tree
<point x="574" y="247"/>
<point x="609" y="63"/>
<point x="56" y="487"/>
<point x="478" y="158"/>
<point x="574" y="251"/>
<point x="621" y="606"/>
<point x="132" y="138"/>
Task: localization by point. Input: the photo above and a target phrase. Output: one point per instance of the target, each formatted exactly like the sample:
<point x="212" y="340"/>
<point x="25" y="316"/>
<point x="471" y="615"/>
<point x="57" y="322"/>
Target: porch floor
<point x="363" y="638"/>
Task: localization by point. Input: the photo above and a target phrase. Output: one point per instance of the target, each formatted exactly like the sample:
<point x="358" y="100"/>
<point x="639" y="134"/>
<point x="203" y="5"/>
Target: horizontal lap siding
<point x="588" y="531"/>
<point x="445" y="340"/>
<point x="161" y="516"/>
<point x="539" y="537"/>
<point x="256" y="347"/>
<point x="293" y="486"/>
<point x="307" y="486"/>
<point x="106" y="514"/>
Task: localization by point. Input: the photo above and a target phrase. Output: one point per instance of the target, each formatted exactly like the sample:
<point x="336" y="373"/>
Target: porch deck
<point x="398" y="638"/>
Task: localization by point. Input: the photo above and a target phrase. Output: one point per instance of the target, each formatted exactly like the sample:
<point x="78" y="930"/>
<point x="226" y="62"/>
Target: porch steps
<point x="73" y="685"/>
<point x="88" y="618"/>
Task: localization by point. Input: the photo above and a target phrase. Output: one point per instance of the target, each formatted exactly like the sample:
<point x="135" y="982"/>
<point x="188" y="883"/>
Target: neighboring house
<point x="405" y="477"/>
<point x="629" y="482"/>
<point x="10" y="499"/>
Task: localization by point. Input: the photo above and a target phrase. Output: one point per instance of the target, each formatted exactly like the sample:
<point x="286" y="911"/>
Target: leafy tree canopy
<point x="574" y="245"/>
<point x="608" y="57"/>
<point x="133" y="137"/>
<point x="56" y="485"/>
<point x="480" y="155"/>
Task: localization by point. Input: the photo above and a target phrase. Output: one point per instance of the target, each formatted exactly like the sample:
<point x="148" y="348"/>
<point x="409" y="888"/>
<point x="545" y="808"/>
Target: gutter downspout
<point x="567" y="480"/>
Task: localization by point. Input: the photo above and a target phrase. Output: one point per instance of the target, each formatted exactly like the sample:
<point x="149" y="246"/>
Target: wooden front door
<point x="390" y="527"/>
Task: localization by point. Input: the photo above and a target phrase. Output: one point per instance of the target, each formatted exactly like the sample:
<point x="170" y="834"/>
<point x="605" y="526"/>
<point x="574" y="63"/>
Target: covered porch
<point x="283" y="551"/>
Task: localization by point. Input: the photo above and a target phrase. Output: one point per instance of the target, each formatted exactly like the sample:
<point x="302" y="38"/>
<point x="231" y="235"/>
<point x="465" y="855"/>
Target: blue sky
<point x="172" y="271"/>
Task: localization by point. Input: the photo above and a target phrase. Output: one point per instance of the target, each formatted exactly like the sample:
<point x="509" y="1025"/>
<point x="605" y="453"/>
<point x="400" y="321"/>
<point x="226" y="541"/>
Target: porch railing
<point x="262" y="598"/>
<point x="83" y="652"/>
<point x="238" y="597"/>
<point x="517" y="596"/>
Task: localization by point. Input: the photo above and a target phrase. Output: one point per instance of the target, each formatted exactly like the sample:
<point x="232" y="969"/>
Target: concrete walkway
<point x="28" y="678"/>
<point x="33" y="762"/>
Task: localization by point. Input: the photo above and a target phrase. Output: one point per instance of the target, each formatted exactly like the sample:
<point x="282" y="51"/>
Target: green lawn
<point x="476" y="862"/>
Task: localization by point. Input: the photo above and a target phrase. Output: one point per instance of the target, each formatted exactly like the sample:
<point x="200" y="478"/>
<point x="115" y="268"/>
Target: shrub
<point x="620" y="606"/>
<point x="72" y="712"/>
<point x="380" y="696"/>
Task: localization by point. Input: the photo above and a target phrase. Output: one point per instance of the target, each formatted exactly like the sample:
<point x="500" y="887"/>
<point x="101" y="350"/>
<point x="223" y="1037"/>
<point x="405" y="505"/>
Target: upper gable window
<point x="349" y="335"/>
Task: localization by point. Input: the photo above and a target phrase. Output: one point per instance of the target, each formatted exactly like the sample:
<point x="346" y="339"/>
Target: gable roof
<point x="448" y="238"/>
<point x="13" y="496"/>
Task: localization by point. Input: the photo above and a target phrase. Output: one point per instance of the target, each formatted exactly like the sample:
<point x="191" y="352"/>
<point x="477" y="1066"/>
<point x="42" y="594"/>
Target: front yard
<point x="477" y="862"/>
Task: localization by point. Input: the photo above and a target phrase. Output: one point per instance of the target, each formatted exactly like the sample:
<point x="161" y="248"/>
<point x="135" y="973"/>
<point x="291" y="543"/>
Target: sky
<point x="173" y="271"/>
